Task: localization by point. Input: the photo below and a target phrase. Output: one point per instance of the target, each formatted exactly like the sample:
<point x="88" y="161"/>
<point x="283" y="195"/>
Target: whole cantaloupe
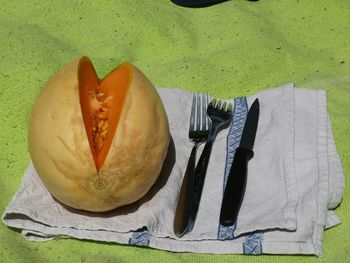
<point x="98" y="144"/>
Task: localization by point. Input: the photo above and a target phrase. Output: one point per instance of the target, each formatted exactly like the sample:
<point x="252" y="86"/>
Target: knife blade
<point x="237" y="178"/>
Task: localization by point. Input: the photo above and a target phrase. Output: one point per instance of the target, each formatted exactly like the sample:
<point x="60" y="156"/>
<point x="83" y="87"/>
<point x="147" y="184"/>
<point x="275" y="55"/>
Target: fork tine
<point x="198" y="112"/>
<point x="218" y="105"/>
<point x="204" y="112"/>
<point x="229" y="107"/>
<point x="213" y="103"/>
<point x="193" y="112"/>
<point x="224" y="106"/>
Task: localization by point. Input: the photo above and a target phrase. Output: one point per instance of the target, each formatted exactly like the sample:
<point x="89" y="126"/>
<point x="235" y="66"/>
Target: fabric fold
<point x="295" y="181"/>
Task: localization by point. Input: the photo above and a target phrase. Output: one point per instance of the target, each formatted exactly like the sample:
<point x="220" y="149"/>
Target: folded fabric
<point x="295" y="180"/>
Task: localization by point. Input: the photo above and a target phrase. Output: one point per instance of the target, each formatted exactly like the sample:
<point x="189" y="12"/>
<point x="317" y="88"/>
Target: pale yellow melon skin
<point x="61" y="154"/>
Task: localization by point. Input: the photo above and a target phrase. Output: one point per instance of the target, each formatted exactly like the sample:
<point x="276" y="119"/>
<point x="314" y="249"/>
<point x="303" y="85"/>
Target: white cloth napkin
<point x="295" y="180"/>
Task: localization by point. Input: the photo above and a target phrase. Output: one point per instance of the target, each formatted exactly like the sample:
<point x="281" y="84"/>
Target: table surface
<point x="231" y="49"/>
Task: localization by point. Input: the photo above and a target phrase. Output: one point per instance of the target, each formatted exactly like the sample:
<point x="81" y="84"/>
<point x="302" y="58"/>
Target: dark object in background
<point x="199" y="3"/>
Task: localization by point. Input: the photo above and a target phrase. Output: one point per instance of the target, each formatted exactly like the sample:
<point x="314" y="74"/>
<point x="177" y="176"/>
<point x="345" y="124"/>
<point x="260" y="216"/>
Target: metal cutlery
<point x="198" y="133"/>
<point x="220" y="114"/>
<point x="237" y="178"/>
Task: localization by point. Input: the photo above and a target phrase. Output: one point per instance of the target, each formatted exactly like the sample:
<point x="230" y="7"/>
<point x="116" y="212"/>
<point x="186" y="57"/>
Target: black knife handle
<point x="235" y="187"/>
<point x="184" y="202"/>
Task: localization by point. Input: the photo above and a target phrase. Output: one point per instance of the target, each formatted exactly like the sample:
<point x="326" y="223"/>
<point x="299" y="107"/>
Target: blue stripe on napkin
<point x="140" y="238"/>
<point x="253" y="244"/>
<point x="239" y="116"/>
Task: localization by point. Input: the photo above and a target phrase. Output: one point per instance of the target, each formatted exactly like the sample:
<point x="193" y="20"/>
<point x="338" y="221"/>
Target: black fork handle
<point x="199" y="177"/>
<point x="183" y="208"/>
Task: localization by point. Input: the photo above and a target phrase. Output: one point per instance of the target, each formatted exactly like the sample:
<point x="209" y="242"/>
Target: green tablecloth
<point x="231" y="49"/>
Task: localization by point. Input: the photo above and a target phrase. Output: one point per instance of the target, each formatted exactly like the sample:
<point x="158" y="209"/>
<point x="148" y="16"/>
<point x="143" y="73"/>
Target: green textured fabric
<point x="231" y="49"/>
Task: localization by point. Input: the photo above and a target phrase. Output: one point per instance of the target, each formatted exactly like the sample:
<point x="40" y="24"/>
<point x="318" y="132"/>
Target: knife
<point x="237" y="178"/>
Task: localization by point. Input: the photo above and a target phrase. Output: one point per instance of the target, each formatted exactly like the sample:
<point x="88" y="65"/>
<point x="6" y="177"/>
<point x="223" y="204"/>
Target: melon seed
<point x="100" y="96"/>
<point x="104" y="133"/>
<point x="102" y="115"/>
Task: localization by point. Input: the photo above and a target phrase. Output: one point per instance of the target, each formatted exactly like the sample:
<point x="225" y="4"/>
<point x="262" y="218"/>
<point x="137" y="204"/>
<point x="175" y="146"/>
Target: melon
<point x="98" y="144"/>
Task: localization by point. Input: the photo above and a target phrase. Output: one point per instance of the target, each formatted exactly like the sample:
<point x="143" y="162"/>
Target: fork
<point x="220" y="114"/>
<point x="198" y="134"/>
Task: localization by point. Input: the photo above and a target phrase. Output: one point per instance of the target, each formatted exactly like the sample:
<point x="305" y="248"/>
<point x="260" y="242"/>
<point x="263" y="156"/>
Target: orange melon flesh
<point x="102" y="98"/>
